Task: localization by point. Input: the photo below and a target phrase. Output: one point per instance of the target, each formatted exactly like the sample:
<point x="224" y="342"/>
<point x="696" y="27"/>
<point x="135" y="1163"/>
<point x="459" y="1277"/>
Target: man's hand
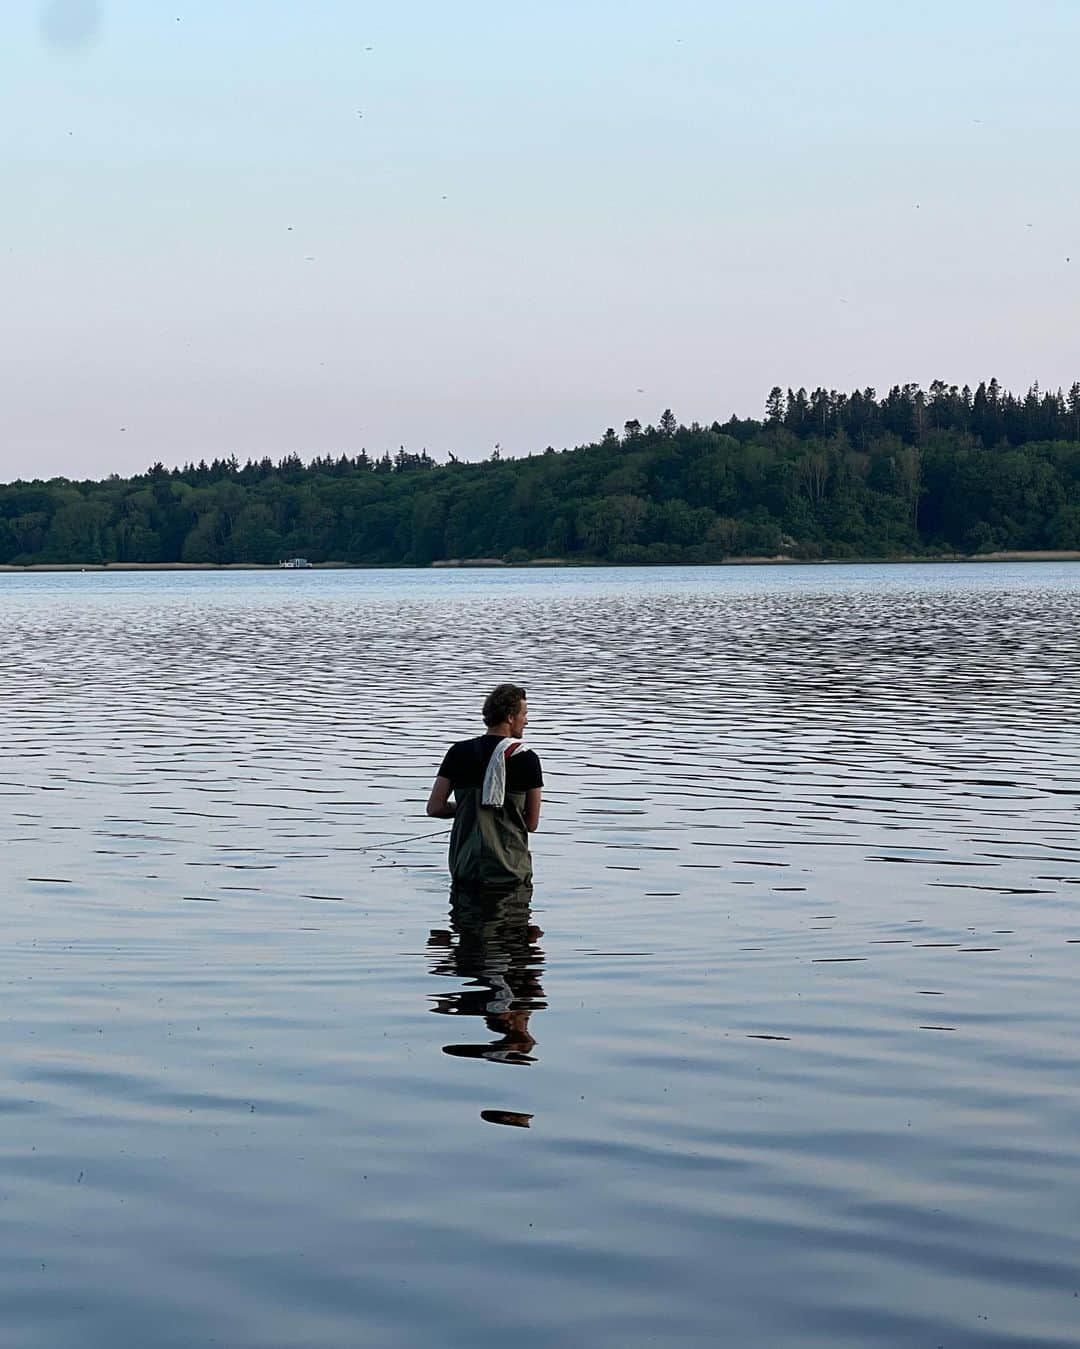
<point x="532" y="809"/>
<point x="439" y="805"/>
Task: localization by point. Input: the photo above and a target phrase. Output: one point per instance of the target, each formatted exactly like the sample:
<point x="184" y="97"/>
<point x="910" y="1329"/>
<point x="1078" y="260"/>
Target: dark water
<point x="781" y="1050"/>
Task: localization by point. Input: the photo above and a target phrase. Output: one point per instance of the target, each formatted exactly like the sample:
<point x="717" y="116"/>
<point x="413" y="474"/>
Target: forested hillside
<point x="822" y="475"/>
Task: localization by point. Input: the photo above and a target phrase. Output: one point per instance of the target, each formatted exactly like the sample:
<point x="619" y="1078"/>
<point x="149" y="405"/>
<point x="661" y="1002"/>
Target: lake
<point x="781" y="1051"/>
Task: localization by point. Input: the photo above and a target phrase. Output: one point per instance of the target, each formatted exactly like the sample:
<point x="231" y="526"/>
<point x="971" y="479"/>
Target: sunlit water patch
<point x="780" y="1050"/>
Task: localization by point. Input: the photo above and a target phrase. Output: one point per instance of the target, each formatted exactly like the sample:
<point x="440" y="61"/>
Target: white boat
<point x="294" y="563"/>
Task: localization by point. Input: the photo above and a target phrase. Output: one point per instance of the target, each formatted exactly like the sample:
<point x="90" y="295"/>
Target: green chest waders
<point x="489" y="845"/>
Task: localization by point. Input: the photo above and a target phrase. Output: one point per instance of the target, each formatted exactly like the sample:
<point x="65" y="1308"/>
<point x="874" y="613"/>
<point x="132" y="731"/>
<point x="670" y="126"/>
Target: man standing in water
<point x="496" y="784"/>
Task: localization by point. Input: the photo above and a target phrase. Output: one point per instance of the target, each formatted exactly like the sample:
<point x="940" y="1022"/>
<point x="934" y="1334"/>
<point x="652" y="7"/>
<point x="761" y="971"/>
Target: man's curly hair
<point x="502" y="703"/>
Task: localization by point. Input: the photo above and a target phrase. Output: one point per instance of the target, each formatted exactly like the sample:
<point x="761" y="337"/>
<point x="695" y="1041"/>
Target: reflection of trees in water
<point x="491" y="943"/>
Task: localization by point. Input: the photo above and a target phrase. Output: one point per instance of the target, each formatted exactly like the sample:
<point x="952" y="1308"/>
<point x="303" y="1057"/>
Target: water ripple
<point x="781" y="1050"/>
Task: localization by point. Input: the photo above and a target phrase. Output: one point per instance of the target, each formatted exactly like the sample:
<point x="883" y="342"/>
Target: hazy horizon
<point x="276" y="229"/>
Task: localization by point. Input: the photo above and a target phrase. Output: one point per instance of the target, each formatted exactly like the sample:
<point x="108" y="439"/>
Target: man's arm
<point x="439" y="805"/>
<point x="532" y="809"/>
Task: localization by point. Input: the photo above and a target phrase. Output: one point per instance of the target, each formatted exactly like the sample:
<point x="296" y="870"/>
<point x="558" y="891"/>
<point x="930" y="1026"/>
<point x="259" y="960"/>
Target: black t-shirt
<point x="466" y="763"/>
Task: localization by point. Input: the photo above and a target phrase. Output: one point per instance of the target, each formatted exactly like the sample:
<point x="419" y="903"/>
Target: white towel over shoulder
<point x="494" y="789"/>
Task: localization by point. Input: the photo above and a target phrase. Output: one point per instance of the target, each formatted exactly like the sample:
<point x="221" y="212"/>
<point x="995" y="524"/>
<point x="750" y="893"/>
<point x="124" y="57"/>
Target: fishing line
<point x="392" y="843"/>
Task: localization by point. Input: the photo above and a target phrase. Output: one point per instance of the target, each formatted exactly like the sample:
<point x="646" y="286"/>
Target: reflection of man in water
<point x="496" y="951"/>
<point x="496" y="784"/>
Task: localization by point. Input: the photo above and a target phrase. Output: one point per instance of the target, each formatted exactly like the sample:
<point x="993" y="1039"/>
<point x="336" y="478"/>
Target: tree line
<point x="821" y="475"/>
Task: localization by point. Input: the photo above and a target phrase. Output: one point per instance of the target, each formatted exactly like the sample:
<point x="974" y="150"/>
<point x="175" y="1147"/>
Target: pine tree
<point x="797" y="416"/>
<point x="1073" y="405"/>
<point x="821" y="412"/>
<point x="775" y="406"/>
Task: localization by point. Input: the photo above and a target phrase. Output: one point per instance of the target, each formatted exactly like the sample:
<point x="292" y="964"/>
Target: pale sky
<point x="263" y="226"/>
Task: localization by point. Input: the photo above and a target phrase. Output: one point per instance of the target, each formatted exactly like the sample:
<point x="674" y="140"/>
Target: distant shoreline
<point x="467" y="564"/>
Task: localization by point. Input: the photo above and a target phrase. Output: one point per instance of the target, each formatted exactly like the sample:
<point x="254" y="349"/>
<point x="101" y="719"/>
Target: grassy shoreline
<point x="462" y="564"/>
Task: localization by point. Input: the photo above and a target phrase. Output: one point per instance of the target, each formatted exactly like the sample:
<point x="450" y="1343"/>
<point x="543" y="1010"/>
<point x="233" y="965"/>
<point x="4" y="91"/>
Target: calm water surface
<point x="783" y="1050"/>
